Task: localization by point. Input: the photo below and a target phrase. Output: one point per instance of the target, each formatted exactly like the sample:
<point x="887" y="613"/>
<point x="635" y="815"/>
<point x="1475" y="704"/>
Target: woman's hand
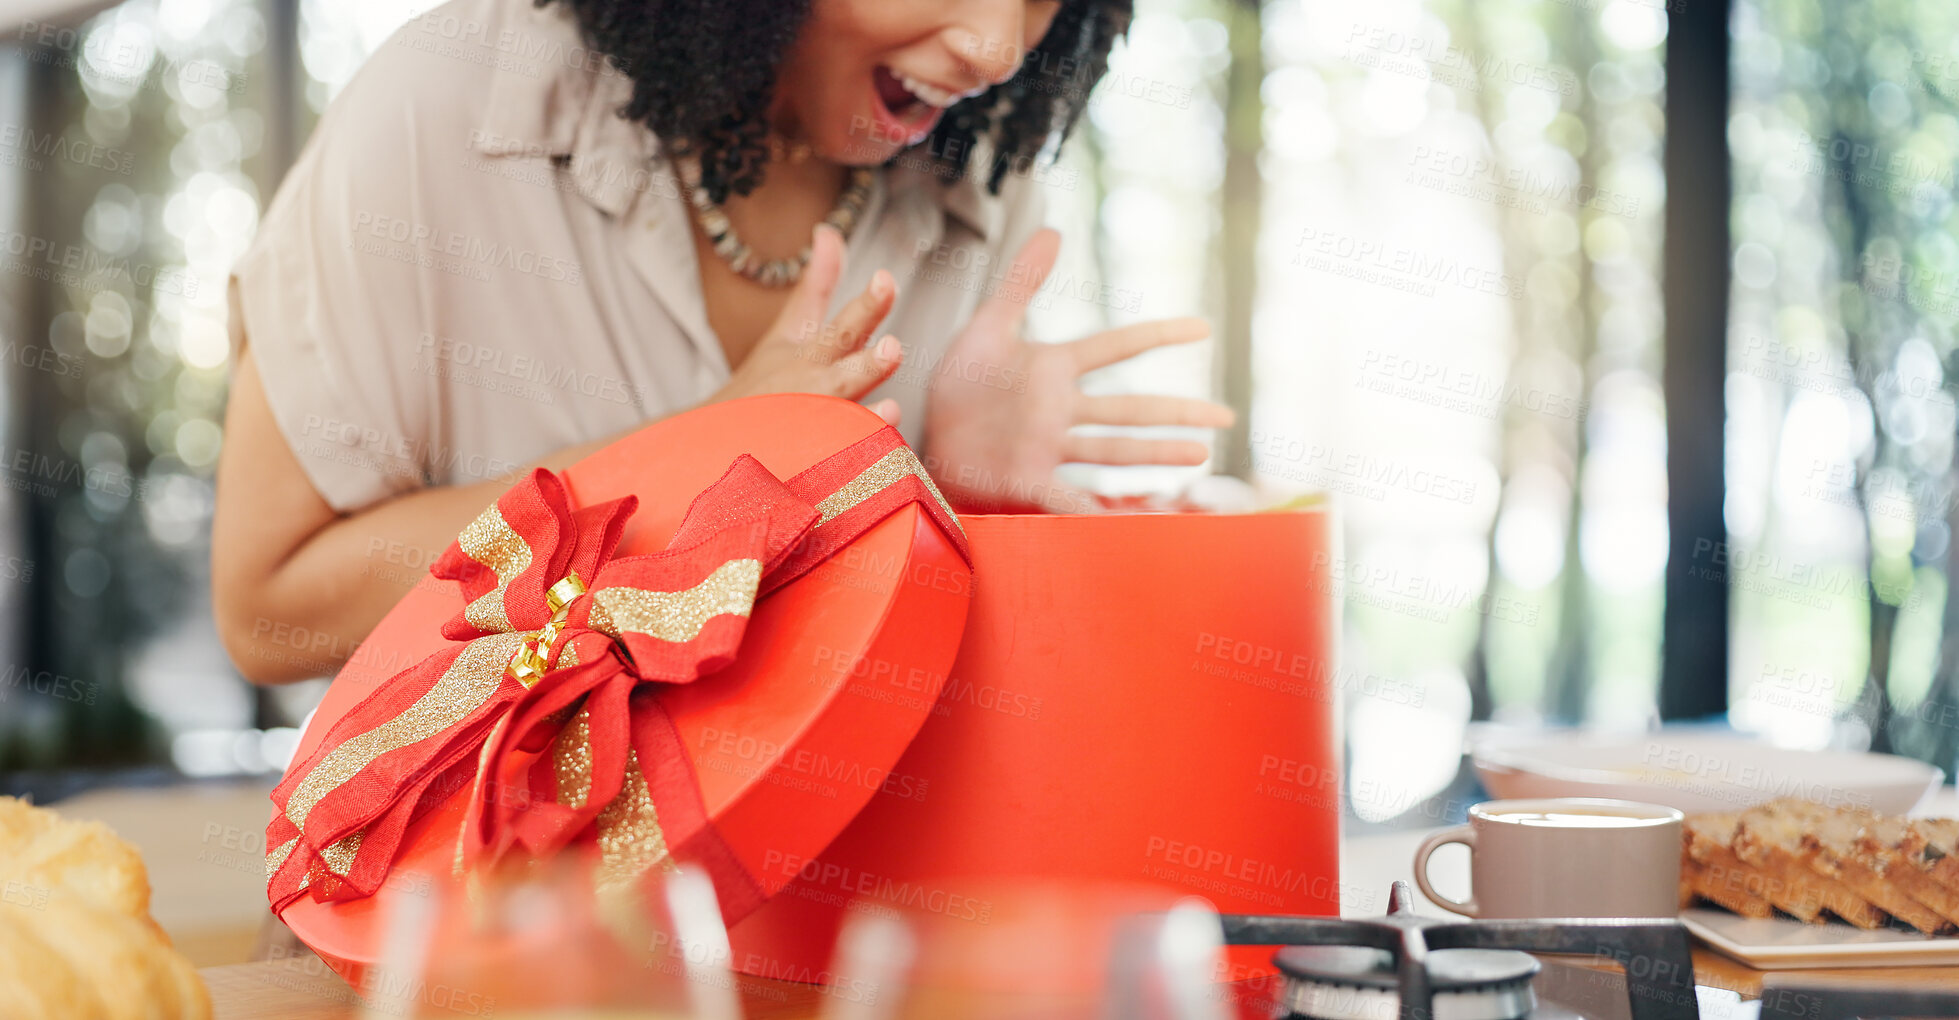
<point x="800" y="353"/>
<point x="997" y="423"/>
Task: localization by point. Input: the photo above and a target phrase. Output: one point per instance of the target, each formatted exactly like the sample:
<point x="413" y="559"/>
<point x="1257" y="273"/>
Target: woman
<point x="522" y="232"/>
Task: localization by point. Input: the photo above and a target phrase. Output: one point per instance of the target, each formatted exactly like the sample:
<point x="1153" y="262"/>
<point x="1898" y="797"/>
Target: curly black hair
<point x="704" y="72"/>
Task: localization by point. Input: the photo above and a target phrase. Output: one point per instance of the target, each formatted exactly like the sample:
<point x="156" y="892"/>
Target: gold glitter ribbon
<point x="631" y="842"/>
<point x="465" y="686"/>
<point x="677" y="615"/>
<point x="895" y="466"/>
<point x="491" y="541"/>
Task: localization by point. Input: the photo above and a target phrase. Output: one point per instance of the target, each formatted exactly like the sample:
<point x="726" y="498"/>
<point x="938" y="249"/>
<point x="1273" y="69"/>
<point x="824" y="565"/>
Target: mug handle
<point x="1460" y="834"/>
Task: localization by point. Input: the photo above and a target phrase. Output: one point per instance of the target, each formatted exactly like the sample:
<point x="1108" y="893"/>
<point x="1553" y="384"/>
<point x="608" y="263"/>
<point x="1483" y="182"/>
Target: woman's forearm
<point x="312" y="608"/>
<point x="295" y="586"/>
<point x="316" y="605"/>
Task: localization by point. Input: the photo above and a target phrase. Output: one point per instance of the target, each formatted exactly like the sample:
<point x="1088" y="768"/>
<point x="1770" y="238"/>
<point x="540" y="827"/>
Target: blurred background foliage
<point x="1429" y="233"/>
<point x="1840" y="398"/>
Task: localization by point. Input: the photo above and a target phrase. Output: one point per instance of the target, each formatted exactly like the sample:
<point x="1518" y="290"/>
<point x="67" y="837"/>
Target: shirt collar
<point x="565" y="107"/>
<point x="533" y="108"/>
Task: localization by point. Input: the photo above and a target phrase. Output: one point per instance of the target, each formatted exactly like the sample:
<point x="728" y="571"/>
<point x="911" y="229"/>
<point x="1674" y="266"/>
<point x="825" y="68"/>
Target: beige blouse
<point x="475" y="262"/>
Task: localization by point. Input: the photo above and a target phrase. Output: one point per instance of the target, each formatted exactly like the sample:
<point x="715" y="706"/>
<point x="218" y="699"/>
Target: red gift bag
<point x="1137" y="698"/>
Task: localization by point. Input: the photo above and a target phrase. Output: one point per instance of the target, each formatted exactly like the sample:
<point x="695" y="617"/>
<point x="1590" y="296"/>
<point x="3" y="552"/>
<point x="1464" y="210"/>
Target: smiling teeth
<point x="926" y="92"/>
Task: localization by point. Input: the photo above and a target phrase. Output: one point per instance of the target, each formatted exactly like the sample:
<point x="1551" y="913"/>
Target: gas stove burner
<point x="1358" y="983"/>
<point x="1423" y="968"/>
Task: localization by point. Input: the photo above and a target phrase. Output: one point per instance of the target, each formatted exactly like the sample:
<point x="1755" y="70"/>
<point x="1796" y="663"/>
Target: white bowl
<point x="1700" y="772"/>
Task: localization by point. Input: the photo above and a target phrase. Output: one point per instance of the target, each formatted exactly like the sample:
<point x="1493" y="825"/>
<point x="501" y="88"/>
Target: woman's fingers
<point x="888" y="410"/>
<point x="860" y="372"/>
<point x="802" y="314"/>
<point x="1141" y="409"/>
<point x="1126" y="450"/>
<point x="859" y="318"/>
<point x="1125" y="342"/>
<point x="1000" y="314"/>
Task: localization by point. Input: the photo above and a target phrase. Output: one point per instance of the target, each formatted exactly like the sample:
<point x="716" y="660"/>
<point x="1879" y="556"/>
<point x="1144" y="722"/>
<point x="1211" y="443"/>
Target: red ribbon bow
<point x="561" y="649"/>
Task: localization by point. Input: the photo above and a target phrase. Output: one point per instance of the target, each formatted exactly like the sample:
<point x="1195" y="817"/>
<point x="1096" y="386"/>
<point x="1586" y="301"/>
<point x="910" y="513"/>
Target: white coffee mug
<point x="1565" y="857"/>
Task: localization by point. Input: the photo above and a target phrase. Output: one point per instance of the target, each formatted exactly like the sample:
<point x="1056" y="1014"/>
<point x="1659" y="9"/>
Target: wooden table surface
<point x="296" y="989"/>
<point x="304" y="989"/>
<point x="204" y="845"/>
<point x="300" y="987"/>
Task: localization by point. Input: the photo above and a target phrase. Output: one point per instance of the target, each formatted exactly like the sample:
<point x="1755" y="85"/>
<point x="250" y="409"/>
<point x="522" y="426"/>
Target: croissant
<point x="76" y="938"/>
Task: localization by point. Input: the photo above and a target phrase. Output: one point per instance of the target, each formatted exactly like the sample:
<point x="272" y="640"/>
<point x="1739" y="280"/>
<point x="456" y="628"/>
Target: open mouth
<point x="914" y="104"/>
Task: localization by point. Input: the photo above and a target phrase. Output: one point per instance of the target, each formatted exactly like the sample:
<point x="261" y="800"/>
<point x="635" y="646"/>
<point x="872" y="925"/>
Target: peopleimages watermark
<point x="1398" y="267"/>
<point x="456" y="252"/>
<point x="384" y="452"/>
<point x="521" y="375"/>
<point x="114" y="57"/>
<point x="1318" y="785"/>
<point x="1299" y="782"/>
<point x="908" y="684"/>
<point x="1435" y="60"/>
<point x="1796" y="689"/>
<point x="1485" y="179"/>
<point x="1303" y="673"/>
<point x="325" y="645"/>
<point x="801" y="767"/>
<point x="1738" y="781"/>
<point x="380" y="989"/>
<point x="517" y="159"/>
<point x="1823" y="369"/>
<point x="17" y="893"/>
<point x="882" y="888"/>
<point x="984" y="492"/>
<point x="323" y="652"/>
<point x="40" y="359"/>
<point x="242" y="849"/>
<point x="1869" y="166"/>
<point x="507" y="48"/>
<point x="47" y="683"/>
<point x="1365" y="475"/>
<point x="1933" y="291"/>
<point x="1669" y="6"/>
<point x="1216" y="870"/>
<point x="74" y="265"/>
<point x="400" y="561"/>
<point x="977" y="270"/>
<point x="1387" y="586"/>
<point x="25" y="148"/>
<point x="1482" y="394"/>
<point x="16" y="568"/>
<point x="951" y="158"/>
<point x="1056" y="74"/>
<point x="1829" y="480"/>
<point x="45" y="475"/>
<point x="1799" y="366"/>
<point x="1776" y="576"/>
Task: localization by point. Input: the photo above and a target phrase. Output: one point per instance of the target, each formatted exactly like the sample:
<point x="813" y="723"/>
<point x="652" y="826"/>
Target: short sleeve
<point x="330" y="299"/>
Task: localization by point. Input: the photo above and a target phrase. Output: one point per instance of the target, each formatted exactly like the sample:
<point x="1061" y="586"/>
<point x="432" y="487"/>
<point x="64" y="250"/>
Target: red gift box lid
<point x="790" y="741"/>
